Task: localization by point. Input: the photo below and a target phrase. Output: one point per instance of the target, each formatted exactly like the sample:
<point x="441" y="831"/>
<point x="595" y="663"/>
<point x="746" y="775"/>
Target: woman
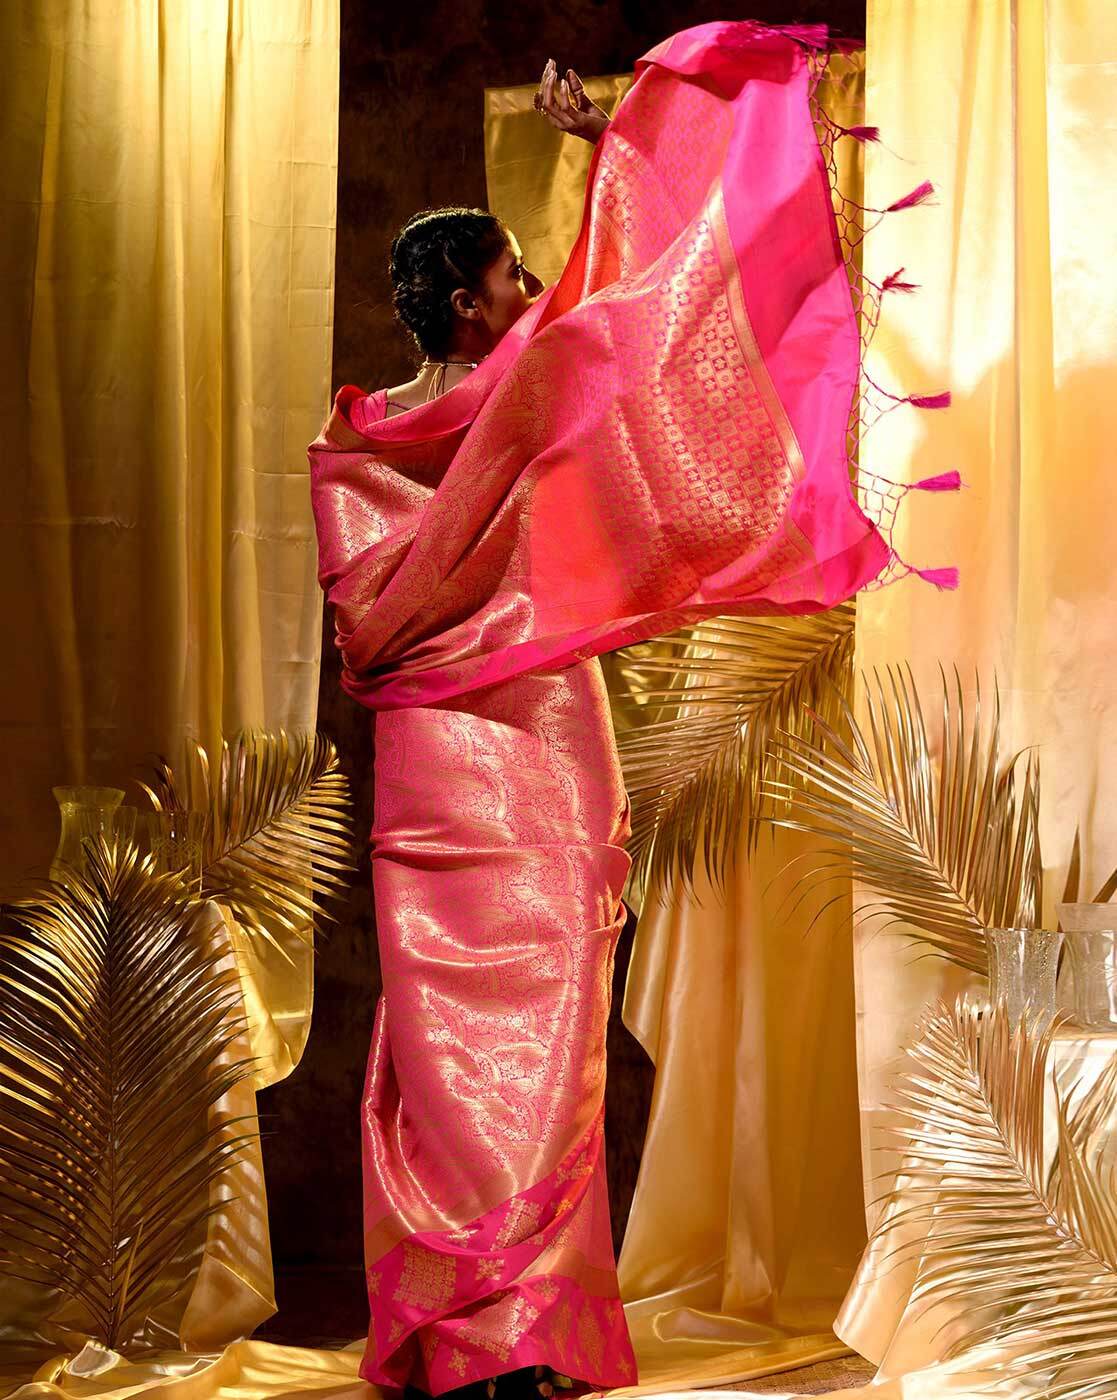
<point x="657" y="438"/>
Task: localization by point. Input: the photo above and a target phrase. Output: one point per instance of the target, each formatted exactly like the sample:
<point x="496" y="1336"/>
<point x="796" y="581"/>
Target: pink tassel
<point x="945" y="481"/>
<point x="929" y="400"/>
<point x="862" y="133"/>
<point x="941" y="578"/>
<point x="920" y="195"/>
<point x="893" y="283"/>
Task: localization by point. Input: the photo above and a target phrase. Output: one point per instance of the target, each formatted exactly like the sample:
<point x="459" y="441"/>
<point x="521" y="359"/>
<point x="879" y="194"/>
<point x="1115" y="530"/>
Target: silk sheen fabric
<point x="498" y="859"/>
<point x="167" y="261"/>
<point x="659" y="438"/>
<point x="746" y="1227"/>
<point x="1009" y="108"/>
<point x="167" y="264"/>
<point x="694" y="464"/>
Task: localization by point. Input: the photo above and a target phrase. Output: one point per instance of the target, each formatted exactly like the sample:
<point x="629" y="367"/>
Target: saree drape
<point x="746" y="1224"/>
<point x="661" y="437"/>
<point x="742" y="1272"/>
<point x="688" y="323"/>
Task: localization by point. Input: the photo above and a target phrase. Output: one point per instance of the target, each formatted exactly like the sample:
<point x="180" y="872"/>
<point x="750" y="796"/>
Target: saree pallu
<point x="661" y="437"/>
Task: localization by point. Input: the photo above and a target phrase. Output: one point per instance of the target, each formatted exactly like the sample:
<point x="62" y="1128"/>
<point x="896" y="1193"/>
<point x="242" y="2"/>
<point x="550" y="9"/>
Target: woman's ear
<point x="464" y="304"/>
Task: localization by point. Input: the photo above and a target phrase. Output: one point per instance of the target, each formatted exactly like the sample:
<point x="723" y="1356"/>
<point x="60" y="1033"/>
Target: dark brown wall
<point x="412" y="77"/>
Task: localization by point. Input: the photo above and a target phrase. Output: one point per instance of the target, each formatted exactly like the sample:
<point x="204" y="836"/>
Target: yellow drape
<point x="169" y="179"/>
<point x="1008" y="106"/>
<point x="745" y="1227"/>
<point x="167" y="266"/>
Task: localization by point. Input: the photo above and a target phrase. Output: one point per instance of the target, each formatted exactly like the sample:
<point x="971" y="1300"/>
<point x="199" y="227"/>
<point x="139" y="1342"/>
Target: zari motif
<point x="590" y="1337"/>
<point x="501" y="1325"/>
<point x="520" y="1222"/>
<point x="427" y="1280"/>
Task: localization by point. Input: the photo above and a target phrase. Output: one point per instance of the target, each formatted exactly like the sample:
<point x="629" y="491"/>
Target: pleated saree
<point x="660" y="438"/>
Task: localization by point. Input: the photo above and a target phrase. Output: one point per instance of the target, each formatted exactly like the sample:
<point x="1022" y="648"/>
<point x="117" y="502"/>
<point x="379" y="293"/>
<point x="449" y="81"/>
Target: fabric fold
<point x="662" y="436"/>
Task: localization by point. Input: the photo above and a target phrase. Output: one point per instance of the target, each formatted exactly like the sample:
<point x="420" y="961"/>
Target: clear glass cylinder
<point x="1090" y="931"/>
<point x="178" y="843"/>
<point x="1023" y="963"/>
<point x="84" y="812"/>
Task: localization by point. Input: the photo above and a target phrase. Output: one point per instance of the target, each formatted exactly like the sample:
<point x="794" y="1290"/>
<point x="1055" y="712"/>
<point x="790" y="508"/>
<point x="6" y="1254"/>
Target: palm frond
<point x="1074" y="877"/>
<point x="1011" y="1261"/>
<point x="712" y="702"/>
<point x="114" y="1027"/>
<point x="279" y="833"/>
<point x="950" y="847"/>
<point x="1074" y="870"/>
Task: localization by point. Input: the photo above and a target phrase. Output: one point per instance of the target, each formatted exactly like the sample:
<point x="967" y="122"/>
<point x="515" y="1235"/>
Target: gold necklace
<point x="438" y="383"/>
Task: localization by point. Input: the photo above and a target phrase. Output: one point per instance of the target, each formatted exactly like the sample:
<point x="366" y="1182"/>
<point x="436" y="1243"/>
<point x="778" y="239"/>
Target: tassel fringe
<point x="859" y="133"/>
<point x="920" y="195"/>
<point x="943" y="579"/>
<point x="894" y="283"/>
<point x="945" y="481"/>
<point x="888" y="493"/>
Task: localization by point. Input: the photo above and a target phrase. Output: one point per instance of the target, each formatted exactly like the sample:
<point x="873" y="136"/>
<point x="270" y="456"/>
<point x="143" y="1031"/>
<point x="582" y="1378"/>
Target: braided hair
<point x="436" y="252"/>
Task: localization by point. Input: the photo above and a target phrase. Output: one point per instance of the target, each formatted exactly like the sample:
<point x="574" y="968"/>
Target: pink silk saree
<point x="661" y="437"/>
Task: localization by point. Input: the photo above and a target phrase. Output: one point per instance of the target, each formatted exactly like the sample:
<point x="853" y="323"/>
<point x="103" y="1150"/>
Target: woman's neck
<point x="438" y="375"/>
<point x="434" y="378"/>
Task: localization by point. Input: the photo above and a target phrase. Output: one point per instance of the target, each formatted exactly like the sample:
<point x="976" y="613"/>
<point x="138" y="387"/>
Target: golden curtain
<point x="746" y="1224"/>
<point x="1008" y="106"/>
<point x="169" y="179"/>
<point x="169" y="182"/>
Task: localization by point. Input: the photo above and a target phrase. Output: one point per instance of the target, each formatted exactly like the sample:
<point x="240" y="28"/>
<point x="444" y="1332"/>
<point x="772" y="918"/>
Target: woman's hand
<point x="566" y="105"/>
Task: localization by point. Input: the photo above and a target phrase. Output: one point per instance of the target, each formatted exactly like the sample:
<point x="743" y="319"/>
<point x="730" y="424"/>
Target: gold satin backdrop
<point x="169" y="178"/>
<point x="1008" y="106"/>
<point x="170" y="182"/>
<point x="746" y="1225"/>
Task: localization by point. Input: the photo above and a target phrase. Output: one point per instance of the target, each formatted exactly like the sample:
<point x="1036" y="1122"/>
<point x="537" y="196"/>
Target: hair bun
<point x="436" y="252"/>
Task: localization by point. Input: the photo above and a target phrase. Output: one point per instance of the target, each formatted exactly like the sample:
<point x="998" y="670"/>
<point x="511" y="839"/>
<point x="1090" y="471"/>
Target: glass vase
<point x="1023" y="963"/>
<point x="1090" y="931"/>
<point x="85" y="812"/>
<point x="178" y="844"/>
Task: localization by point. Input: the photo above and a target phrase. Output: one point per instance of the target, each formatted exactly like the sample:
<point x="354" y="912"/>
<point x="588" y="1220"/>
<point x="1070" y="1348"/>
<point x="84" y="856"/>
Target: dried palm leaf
<point x="1074" y="875"/>
<point x="279" y="830"/>
<point x="1009" y="1260"/>
<point x="113" y="1025"/>
<point x="695" y="770"/>
<point x="1074" y="871"/>
<point x="952" y="847"/>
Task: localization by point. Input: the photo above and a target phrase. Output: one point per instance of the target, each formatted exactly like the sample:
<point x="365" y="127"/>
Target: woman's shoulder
<point x="398" y="398"/>
<point x="354" y="411"/>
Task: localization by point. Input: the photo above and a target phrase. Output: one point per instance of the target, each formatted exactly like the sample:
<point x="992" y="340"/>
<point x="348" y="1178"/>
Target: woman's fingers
<point x="577" y="91"/>
<point x="558" y="112"/>
<point x="550" y="76"/>
<point x="564" y="101"/>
